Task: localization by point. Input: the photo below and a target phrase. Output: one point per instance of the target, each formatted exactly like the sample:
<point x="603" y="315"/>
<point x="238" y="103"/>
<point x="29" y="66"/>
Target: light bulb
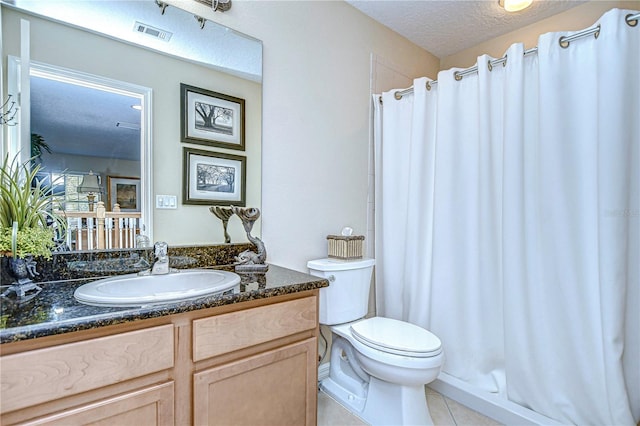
<point x="514" y="5"/>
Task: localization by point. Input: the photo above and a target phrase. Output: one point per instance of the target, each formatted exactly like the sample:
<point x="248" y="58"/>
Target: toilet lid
<point x="396" y="337"/>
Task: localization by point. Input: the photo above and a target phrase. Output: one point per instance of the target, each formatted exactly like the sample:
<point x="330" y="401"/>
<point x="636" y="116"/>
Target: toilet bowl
<point x="378" y="366"/>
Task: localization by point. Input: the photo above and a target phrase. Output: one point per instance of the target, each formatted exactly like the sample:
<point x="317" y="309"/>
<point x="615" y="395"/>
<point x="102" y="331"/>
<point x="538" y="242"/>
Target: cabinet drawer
<point x="43" y="375"/>
<point x="236" y="330"/>
<point x="152" y="406"/>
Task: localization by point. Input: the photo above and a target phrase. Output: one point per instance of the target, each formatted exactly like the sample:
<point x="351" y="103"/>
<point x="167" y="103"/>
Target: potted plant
<point x="38" y="146"/>
<point x="25" y="218"/>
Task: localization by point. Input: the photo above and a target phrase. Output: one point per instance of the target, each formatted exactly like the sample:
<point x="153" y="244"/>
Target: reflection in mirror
<point x="97" y="149"/>
<point x="115" y="148"/>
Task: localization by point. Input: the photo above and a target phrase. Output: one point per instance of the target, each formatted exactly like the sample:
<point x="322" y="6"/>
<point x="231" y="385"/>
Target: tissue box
<point x="341" y="247"/>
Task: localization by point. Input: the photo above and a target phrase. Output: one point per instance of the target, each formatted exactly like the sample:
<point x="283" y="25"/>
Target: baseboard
<point x="493" y="406"/>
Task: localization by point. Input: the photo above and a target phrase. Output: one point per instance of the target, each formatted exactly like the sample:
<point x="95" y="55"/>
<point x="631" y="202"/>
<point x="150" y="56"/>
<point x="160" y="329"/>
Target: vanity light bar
<point x="154" y="32"/>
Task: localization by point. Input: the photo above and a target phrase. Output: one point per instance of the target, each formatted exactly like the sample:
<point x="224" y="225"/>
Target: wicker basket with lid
<point x="345" y="247"/>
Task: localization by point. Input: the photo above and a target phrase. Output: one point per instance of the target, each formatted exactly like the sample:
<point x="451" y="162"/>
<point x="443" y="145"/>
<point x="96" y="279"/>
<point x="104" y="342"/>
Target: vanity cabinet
<point x="250" y="363"/>
<point x="270" y="387"/>
<point x="116" y="379"/>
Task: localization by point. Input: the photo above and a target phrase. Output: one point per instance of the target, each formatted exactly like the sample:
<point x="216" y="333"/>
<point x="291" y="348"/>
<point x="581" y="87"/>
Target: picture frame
<point x="124" y="191"/>
<point x="211" y="118"/>
<point x="213" y="178"/>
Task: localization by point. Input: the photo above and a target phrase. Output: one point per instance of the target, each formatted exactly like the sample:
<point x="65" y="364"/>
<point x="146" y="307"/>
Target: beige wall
<point x="574" y="19"/>
<point x="316" y="104"/>
<point x="63" y="46"/>
<point x="317" y="71"/>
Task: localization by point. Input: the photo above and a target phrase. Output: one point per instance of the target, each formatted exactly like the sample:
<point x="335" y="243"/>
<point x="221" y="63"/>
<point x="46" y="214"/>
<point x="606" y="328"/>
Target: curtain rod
<point x="564" y="42"/>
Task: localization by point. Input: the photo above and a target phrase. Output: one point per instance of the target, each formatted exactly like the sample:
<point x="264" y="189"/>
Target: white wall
<point x="316" y="87"/>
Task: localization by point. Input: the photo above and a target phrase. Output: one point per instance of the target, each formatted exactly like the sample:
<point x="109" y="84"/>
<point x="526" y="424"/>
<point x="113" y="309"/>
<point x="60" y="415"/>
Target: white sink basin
<point x="138" y="290"/>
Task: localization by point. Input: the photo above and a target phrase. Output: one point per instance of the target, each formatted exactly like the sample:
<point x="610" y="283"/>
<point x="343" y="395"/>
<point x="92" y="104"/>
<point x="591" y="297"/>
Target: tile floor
<point x="444" y="411"/>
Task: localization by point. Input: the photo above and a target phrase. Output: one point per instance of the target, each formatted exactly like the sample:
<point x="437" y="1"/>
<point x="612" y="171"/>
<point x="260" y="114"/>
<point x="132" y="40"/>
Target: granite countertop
<point x="55" y="311"/>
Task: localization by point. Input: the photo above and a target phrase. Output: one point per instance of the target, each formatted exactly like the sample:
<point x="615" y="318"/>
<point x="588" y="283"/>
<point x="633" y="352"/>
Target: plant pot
<point x="18" y="269"/>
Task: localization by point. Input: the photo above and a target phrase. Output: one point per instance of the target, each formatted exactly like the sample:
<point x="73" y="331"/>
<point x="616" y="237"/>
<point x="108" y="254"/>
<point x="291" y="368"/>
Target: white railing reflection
<point x="101" y="229"/>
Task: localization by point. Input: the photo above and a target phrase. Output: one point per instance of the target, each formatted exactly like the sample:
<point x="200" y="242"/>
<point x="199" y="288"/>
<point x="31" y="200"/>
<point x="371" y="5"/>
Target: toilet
<point x="379" y="366"/>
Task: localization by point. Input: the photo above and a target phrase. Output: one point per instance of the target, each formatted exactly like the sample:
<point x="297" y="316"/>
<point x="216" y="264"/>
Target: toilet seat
<point x="396" y="337"/>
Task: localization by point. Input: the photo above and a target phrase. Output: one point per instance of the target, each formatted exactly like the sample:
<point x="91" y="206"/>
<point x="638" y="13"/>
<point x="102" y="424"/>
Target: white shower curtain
<point x="507" y="222"/>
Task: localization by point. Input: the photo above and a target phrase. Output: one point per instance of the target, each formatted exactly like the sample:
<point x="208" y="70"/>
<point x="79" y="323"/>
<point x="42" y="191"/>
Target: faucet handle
<point x="160" y="250"/>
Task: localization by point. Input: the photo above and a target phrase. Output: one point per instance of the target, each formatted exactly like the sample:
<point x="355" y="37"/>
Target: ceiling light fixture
<point x="514" y="5"/>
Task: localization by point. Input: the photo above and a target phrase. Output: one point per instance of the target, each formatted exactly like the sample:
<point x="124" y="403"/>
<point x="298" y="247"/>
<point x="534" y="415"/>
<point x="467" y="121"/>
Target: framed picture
<point x="213" y="178"/>
<point x="124" y="191"/>
<point x="210" y="118"/>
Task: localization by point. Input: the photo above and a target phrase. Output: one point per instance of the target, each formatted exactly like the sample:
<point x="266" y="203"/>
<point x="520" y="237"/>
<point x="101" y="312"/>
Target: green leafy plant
<point x="38" y="146"/>
<point x="27" y="202"/>
<point x="30" y="241"/>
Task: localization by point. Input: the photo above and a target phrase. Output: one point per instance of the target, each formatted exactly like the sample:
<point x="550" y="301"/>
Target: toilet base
<point x="385" y="403"/>
<point x="350" y="401"/>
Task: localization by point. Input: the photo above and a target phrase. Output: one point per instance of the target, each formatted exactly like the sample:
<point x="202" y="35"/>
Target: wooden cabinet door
<point x="149" y="406"/>
<point x="277" y="387"/>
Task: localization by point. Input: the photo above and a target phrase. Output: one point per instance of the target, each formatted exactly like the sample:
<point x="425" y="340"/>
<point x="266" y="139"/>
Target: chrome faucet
<point x="161" y="264"/>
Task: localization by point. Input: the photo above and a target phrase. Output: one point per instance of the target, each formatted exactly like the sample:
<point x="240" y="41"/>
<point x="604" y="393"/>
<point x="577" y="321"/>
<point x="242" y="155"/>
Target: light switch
<point x="166" y="202"/>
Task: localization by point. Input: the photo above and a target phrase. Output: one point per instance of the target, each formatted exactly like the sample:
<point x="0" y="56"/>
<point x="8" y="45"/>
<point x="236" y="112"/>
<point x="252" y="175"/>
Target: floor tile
<point x="463" y="416"/>
<point x="439" y="410"/>
<point x="331" y="413"/>
<point x="444" y="412"/>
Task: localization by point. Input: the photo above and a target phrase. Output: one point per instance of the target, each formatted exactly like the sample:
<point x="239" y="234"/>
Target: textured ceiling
<point x="72" y="118"/>
<point x="446" y="27"/>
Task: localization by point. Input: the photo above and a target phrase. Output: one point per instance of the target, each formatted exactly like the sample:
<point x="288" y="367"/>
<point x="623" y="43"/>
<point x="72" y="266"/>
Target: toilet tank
<point x="347" y="297"/>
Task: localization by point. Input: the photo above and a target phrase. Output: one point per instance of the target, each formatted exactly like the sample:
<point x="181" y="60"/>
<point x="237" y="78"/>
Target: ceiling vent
<point x="154" y="32"/>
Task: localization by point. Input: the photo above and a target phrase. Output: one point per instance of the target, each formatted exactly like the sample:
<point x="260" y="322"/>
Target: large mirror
<point x="103" y="86"/>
